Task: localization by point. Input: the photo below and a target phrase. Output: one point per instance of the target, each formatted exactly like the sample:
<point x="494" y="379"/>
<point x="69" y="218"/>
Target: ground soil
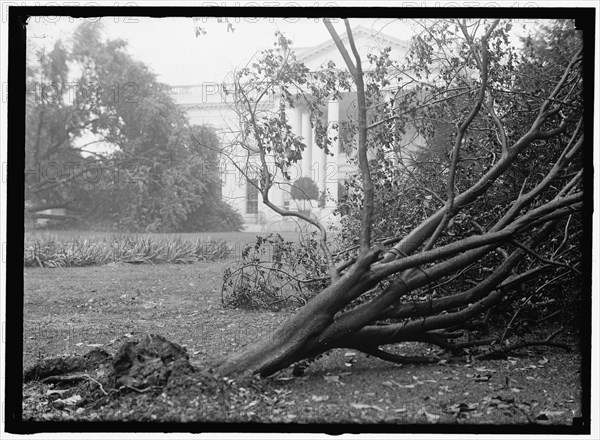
<point x="74" y="310"/>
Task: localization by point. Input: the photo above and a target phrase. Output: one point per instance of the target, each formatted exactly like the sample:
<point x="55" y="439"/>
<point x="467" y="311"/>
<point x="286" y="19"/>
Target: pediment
<point x="366" y="42"/>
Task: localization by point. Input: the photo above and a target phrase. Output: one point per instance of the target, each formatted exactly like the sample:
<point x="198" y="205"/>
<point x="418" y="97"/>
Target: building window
<point x="286" y="200"/>
<point x="251" y="197"/>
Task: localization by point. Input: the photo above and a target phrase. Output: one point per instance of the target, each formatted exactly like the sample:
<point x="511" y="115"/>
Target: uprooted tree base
<point x="139" y="370"/>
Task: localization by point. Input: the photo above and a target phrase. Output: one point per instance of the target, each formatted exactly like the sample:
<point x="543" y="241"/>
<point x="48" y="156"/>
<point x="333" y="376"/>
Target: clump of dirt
<point x="149" y="362"/>
<point x="137" y="364"/>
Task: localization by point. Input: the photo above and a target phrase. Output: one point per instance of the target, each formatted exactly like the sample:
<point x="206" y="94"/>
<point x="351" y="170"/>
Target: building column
<point x="332" y="165"/>
<point x="295" y="119"/>
<point x="320" y="159"/>
<point x="307" y="134"/>
<point x="276" y="195"/>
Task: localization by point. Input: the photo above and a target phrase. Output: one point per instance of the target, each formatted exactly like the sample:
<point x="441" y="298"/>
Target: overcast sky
<point x="170" y="48"/>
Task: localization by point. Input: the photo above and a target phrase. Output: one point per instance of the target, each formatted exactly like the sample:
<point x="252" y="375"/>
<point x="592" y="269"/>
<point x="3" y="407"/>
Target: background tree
<point x="106" y="142"/>
<point x="304" y="189"/>
<point x="482" y="213"/>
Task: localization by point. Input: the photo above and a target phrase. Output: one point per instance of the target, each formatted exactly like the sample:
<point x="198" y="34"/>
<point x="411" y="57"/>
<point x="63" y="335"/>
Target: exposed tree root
<point x="74" y="378"/>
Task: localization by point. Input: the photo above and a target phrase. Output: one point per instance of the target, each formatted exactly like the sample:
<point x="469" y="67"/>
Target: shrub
<point x="304" y="189"/>
<point x="49" y="251"/>
<point x="275" y="273"/>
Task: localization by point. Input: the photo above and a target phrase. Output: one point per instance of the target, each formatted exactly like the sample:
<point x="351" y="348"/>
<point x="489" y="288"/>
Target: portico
<point x="204" y="105"/>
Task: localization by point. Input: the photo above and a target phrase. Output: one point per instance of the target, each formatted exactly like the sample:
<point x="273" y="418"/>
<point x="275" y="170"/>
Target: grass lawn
<point x="72" y="310"/>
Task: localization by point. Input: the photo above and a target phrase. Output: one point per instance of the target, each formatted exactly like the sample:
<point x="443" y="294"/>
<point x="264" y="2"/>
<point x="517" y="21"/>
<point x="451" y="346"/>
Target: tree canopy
<point x="106" y="143"/>
<point x="304" y="189"/>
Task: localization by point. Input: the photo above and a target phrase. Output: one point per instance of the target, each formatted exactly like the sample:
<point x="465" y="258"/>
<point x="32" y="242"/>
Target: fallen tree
<point x="514" y="109"/>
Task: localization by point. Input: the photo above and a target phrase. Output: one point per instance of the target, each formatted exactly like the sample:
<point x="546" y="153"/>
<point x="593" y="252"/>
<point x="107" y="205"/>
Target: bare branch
<point x="425" y="105"/>
<point x="340" y="46"/>
<point x="499" y="126"/>
<point x="544" y="260"/>
<point x="368" y="189"/>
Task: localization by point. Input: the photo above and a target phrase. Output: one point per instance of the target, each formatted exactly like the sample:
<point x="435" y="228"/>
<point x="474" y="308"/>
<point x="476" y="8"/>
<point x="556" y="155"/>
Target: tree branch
<point x="450" y="193"/>
<point x="368" y="189"/>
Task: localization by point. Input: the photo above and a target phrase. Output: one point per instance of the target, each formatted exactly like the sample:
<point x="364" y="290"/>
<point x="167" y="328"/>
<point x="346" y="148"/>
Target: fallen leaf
<point x="71" y="400"/>
<point x="364" y="406"/>
<point x="480" y="378"/>
<point x="430" y="417"/>
<point x="483" y="369"/>
<point x="319" y="398"/>
<point x="466" y="407"/>
<point x="333" y="379"/>
<point x="552" y="413"/>
<point x="462" y="407"/>
<point x="59" y="392"/>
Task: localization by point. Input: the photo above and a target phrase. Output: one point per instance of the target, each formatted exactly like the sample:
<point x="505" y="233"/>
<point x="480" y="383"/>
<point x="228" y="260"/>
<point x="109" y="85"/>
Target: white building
<point x="204" y="104"/>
